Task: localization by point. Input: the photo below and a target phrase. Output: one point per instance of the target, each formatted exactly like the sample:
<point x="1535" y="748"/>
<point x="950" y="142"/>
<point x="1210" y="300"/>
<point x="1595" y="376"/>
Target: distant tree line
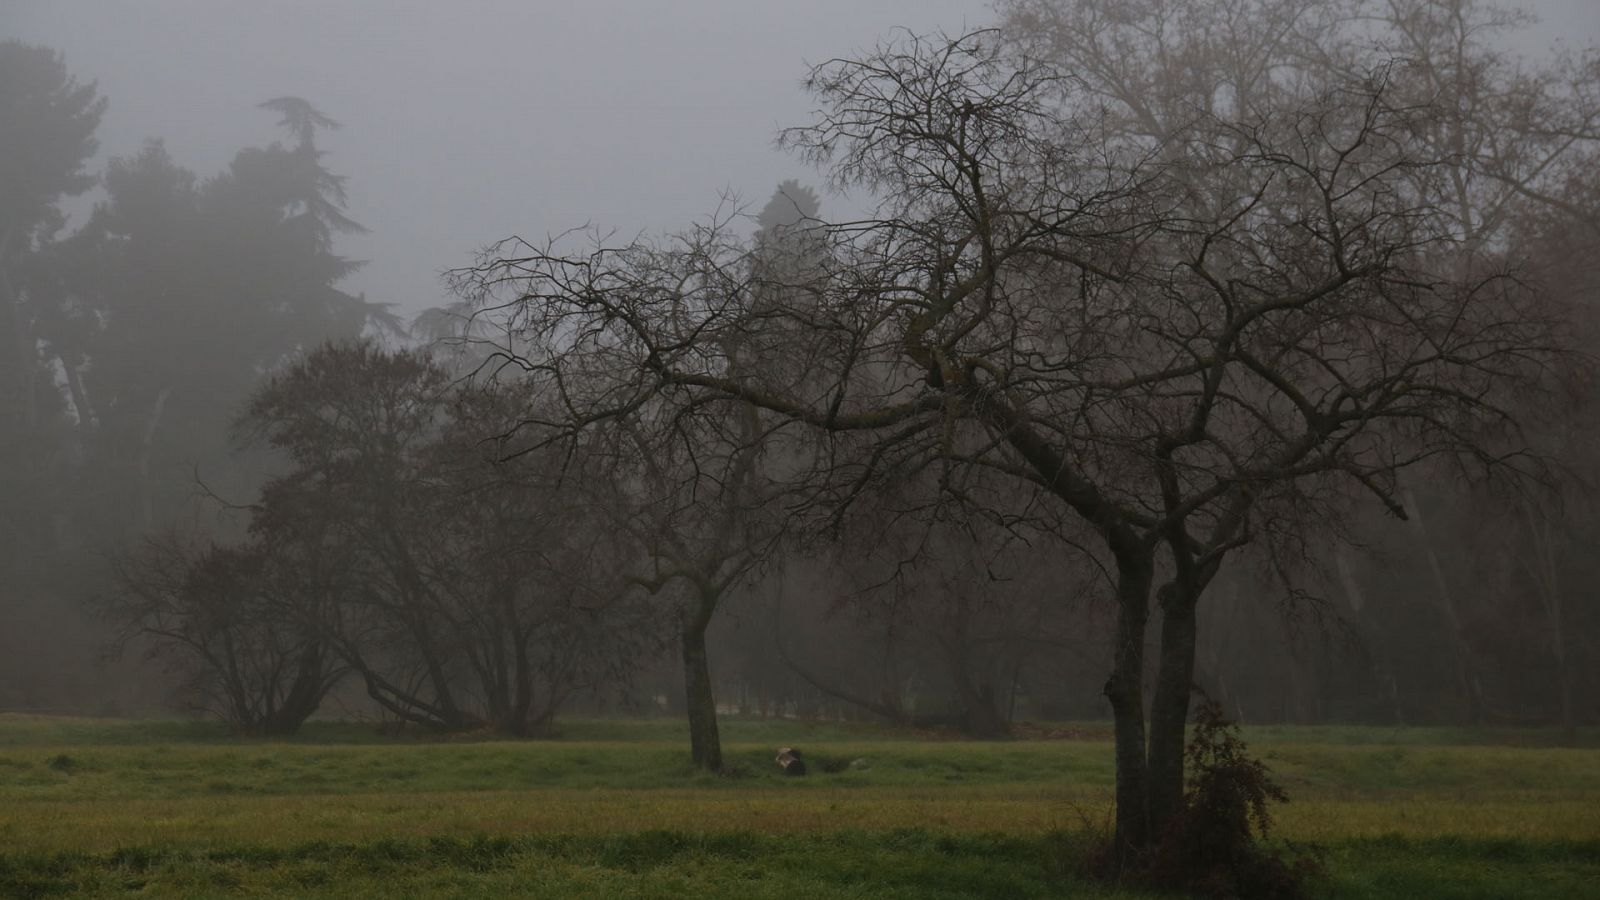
<point x="128" y="342"/>
<point x="397" y="551"/>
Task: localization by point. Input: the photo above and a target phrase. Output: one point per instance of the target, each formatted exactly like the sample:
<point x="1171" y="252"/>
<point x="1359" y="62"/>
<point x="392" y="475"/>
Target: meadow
<point x="612" y="808"/>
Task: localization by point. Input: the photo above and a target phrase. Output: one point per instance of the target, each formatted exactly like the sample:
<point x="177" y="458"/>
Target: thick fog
<point x="1114" y="371"/>
<point x="168" y="362"/>
<point x="466" y="122"/>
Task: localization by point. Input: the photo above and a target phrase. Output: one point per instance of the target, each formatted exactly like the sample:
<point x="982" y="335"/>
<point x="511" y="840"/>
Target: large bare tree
<point x="688" y="508"/>
<point x="1190" y="345"/>
<point x="1492" y="138"/>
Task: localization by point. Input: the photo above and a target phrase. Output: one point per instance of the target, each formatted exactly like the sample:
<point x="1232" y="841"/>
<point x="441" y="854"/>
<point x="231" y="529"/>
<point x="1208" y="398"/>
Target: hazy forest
<point x="1120" y="417"/>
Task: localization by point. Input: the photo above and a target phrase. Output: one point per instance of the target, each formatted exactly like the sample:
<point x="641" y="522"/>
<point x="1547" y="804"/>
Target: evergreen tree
<point x="198" y="289"/>
<point x="47" y="124"/>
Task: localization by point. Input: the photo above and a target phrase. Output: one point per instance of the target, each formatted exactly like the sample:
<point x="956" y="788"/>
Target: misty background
<point x="466" y="122"/>
<point x="463" y="123"/>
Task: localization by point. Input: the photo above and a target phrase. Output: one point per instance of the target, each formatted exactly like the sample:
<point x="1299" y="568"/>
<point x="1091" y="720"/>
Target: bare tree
<point x="1490" y="136"/>
<point x="695" y="524"/>
<point x="1189" y="350"/>
<point x="468" y="594"/>
<point x="233" y="623"/>
<point x="519" y="560"/>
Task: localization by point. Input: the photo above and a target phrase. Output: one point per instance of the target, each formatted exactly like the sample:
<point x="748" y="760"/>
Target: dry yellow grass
<point x="92" y="786"/>
<point x="87" y="825"/>
<point x="93" y="826"/>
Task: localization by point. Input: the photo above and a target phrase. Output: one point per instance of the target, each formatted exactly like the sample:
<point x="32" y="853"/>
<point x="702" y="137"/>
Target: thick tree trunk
<point x="1125" y="690"/>
<point x="705" y="745"/>
<point x="517" y="717"/>
<point x="310" y="684"/>
<point x="443" y="698"/>
<point x="1169" y="709"/>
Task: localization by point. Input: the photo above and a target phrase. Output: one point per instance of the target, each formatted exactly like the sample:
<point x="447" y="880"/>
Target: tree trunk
<point x="1125" y="690"/>
<point x="705" y="746"/>
<point x="305" y="694"/>
<point x="81" y="405"/>
<point x="980" y="713"/>
<point x="1169" y="710"/>
<point x="517" y="719"/>
<point x="1466" y="677"/>
<point x="146" y="441"/>
<point x="1547" y="581"/>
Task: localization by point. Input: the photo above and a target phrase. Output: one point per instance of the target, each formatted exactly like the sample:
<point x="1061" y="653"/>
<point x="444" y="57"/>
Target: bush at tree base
<point x="1216" y="845"/>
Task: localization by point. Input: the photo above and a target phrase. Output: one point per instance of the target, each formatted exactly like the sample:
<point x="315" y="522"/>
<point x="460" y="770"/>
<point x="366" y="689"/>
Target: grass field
<point x="611" y="808"/>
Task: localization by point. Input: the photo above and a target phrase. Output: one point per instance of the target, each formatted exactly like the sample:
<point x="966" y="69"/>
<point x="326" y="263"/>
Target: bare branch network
<point x="1192" y="319"/>
<point x="1165" y="340"/>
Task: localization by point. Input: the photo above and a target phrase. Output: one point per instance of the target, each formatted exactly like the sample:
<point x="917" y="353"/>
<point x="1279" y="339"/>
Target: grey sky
<point x="469" y="120"/>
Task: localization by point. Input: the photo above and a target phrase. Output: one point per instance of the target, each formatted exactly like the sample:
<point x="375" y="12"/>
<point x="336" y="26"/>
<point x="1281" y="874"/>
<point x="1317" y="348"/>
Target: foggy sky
<point x="468" y="120"/>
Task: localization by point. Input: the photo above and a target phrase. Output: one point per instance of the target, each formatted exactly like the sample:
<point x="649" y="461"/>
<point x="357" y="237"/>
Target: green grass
<point x="906" y="863"/>
<point x="611" y="808"/>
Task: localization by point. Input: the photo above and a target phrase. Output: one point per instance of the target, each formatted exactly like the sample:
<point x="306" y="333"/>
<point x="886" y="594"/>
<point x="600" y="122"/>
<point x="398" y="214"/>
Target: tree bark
<point x="705" y="745"/>
<point x="1125" y="690"/>
<point x="1169" y="709"/>
<point x="517" y="717"/>
<point x="310" y="685"/>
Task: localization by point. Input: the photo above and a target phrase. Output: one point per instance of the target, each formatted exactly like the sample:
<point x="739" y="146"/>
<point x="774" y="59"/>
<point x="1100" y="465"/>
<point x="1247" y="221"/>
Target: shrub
<point x="1215" y="845"/>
